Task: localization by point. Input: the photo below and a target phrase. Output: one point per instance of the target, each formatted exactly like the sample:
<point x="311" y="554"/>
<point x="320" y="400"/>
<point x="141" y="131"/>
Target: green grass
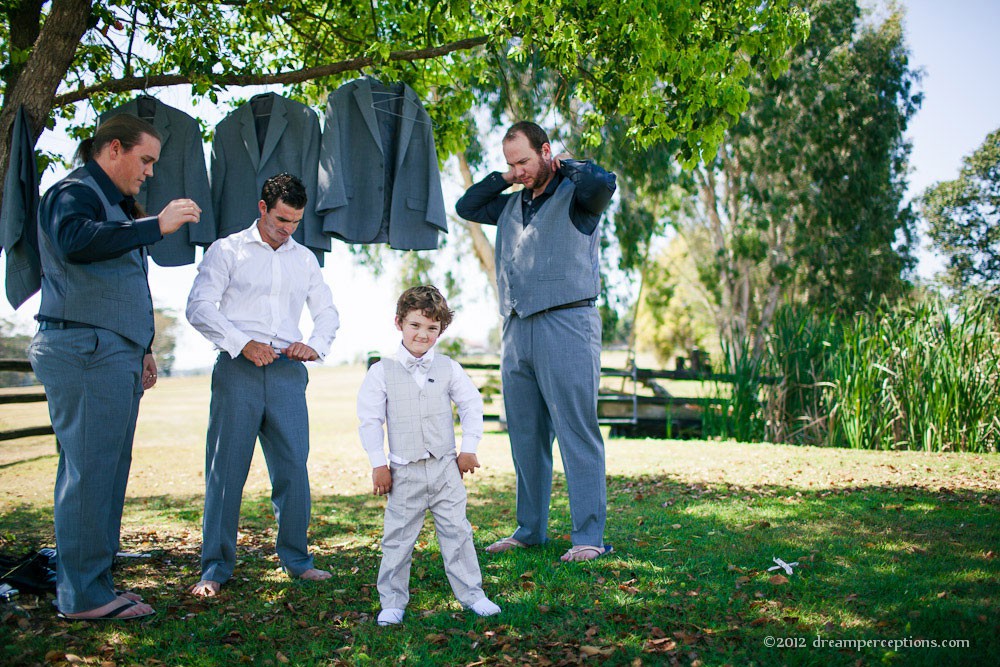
<point x="891" y="546"/>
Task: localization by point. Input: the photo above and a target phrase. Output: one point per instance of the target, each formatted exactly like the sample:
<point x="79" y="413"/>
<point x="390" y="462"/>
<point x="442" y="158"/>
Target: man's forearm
<point x="483" y="202"/>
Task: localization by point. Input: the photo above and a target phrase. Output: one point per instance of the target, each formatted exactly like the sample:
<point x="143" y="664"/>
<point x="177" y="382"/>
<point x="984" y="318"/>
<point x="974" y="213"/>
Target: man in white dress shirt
<point x="247" y="299"/>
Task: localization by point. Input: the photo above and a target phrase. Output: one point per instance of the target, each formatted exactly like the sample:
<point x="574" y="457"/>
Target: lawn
<point x="896" y="557"/>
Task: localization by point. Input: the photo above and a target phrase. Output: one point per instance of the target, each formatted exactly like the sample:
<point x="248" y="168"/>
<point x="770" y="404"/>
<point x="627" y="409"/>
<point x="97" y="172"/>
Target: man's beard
<point x="544" y="172"/>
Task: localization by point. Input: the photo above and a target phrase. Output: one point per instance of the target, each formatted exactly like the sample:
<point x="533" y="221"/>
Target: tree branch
<point x="295" y="76"/>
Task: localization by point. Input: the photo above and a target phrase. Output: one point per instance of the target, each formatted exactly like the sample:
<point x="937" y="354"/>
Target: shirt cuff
<point x="470" y="445"/>
<point x="321" y="352"/>
<point x="496" y="181"/>
<point x="234" y="346"/>
<point x="377" y="458"/>
<point x="148" y="230"/>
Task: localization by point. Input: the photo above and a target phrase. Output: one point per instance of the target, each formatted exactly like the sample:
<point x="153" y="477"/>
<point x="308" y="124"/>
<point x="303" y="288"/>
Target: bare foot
<point x="313" y="574"/>
<point x="206" y="588"/>
<point x="120" y="608"/>
<point x="129" y="595"/>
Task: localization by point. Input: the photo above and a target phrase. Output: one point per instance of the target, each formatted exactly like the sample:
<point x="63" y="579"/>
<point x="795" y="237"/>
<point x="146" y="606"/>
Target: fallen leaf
<point x="281" y="657"/>
<point x="778" y="579"/>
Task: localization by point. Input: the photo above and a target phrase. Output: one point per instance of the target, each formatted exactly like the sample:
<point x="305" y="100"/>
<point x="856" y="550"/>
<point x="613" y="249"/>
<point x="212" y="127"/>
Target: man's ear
<point x="262" y="207"/>
<point x="399" y="324"/>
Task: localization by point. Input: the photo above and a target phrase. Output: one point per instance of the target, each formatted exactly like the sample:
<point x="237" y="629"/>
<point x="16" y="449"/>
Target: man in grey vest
<point x="548" y="279"/>
<point x="92" y="350"/>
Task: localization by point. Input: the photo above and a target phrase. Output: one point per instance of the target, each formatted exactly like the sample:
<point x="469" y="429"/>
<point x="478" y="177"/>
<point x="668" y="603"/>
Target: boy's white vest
<point x="419" y="420"/>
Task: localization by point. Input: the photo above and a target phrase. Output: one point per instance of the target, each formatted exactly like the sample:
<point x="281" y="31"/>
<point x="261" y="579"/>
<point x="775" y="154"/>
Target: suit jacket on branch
<point x="268" y="135"/>
<point x="378" y="172"/>
<point x="18" y="224"/>
<point x="180" y="172"/>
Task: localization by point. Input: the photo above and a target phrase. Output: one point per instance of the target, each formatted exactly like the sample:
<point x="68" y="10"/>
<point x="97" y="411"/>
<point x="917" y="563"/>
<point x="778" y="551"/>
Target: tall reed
<point x="922" y="377"/>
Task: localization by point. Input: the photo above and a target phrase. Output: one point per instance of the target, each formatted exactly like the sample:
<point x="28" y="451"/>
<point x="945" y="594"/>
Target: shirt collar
<point x="108" y="187"/>
<point x="254" y="236"/>
<point x="402" y="354"/>
<point x="527" y="197"/>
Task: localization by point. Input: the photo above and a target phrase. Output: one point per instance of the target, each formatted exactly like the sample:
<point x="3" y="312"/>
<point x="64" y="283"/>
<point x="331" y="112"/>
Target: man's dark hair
<point x="429" y="301"/>
<point x="124" y="127"/>
<point x="286" y="188"/>
<point x="532" y="132"/>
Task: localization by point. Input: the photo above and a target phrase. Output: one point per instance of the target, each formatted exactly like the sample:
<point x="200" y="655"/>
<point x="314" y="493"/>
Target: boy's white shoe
<point x="485" y="607"/>
<point x="393" y="616"/>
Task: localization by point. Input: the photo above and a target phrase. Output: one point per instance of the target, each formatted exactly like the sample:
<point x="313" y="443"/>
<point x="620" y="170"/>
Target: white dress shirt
<point x="372" y="410"/>
<point x="245" y="290"/>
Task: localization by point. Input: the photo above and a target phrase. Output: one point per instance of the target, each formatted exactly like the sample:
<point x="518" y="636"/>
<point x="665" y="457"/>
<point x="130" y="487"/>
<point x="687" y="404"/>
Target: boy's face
<point x="419" y="332"/>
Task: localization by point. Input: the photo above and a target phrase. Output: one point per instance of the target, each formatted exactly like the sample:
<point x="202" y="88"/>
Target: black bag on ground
<point x="33" y="573"/>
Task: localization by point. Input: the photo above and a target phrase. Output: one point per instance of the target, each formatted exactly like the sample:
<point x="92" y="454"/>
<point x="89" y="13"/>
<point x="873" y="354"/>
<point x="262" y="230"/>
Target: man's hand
<point x="148" y="372"/>
<point x="177" y="213"/>
<point x="467" y="463"/>
<point x="261" y="354"/>
<point x="381" y="480"/>
<point x="557" y="160"/>
<point x="300" y="352"/>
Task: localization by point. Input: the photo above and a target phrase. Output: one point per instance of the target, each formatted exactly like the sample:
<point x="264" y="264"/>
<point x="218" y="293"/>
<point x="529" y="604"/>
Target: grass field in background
<point x="893" y="547"/>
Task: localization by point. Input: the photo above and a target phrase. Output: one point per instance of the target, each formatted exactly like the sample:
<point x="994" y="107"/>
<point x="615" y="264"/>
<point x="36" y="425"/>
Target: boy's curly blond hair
<point x="429" y="301"/>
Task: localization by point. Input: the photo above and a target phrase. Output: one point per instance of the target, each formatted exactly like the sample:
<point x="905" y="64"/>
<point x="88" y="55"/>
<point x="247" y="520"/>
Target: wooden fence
<point x="36" y="395"/>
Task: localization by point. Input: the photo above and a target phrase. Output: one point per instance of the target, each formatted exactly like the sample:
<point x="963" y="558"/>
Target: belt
<point x="46" y="325"/>
<point x="582" y="303"/>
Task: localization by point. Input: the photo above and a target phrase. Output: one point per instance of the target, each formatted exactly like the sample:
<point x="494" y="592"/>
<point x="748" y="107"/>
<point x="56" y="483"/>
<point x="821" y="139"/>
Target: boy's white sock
<point x="485" y="607"/>
<point x="391" y="616"/>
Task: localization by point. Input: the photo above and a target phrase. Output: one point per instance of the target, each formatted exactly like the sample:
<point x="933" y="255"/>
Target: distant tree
<point x="803" y="200"/>
<point x="964" y="219"/>
<point x="165" y="342"/>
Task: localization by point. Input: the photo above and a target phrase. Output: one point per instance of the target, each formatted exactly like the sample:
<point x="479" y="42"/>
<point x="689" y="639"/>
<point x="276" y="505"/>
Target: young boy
<point x="412" y="394"/>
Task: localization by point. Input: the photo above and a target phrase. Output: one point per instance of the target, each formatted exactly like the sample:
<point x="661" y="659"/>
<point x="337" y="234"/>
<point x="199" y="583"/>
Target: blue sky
<point x="957" y="45"/>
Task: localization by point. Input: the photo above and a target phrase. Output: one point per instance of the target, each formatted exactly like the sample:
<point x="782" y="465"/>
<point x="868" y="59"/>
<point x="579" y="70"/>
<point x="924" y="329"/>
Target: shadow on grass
<point x="688" y="581"/>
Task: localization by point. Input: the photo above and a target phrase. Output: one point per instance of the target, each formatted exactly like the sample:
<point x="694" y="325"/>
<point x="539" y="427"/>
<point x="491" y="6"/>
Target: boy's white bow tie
<point x="411" y="365"/>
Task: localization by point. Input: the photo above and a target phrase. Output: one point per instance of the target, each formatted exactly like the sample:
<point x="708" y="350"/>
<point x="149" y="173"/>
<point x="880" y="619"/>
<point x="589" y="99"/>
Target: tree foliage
<point x="802" y="201"/>
<point x="678" y="73"/>
<point x="964" y="220"/>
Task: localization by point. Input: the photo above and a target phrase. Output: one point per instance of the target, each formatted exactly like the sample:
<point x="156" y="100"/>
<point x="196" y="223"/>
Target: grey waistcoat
<point x="111" y="294"/>
<point x="548" y="262"/>
<point x="419" y="420"/>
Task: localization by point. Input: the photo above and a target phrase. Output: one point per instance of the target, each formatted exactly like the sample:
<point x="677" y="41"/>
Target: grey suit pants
<point x="551" y="367"/>
<point x="250" y="402"/>
<point x="92" y="378"/>
<point x="434" y="485"/>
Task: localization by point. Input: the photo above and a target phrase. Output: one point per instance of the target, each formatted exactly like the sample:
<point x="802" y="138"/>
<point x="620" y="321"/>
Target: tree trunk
<point x="34" y="87"/>
<point x="480" y="244"/>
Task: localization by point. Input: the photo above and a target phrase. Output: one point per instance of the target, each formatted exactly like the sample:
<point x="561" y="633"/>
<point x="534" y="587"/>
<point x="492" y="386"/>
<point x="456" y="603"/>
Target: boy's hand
<point x="381" y="480"/>
<point x="467" y="463"/>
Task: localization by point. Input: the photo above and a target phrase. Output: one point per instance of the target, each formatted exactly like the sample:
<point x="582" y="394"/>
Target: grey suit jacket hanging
<point x="180" y="172"/>
<point x="352" y="174"/>
<point x="18" y="219"/>
<point x="240" y="165"/>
